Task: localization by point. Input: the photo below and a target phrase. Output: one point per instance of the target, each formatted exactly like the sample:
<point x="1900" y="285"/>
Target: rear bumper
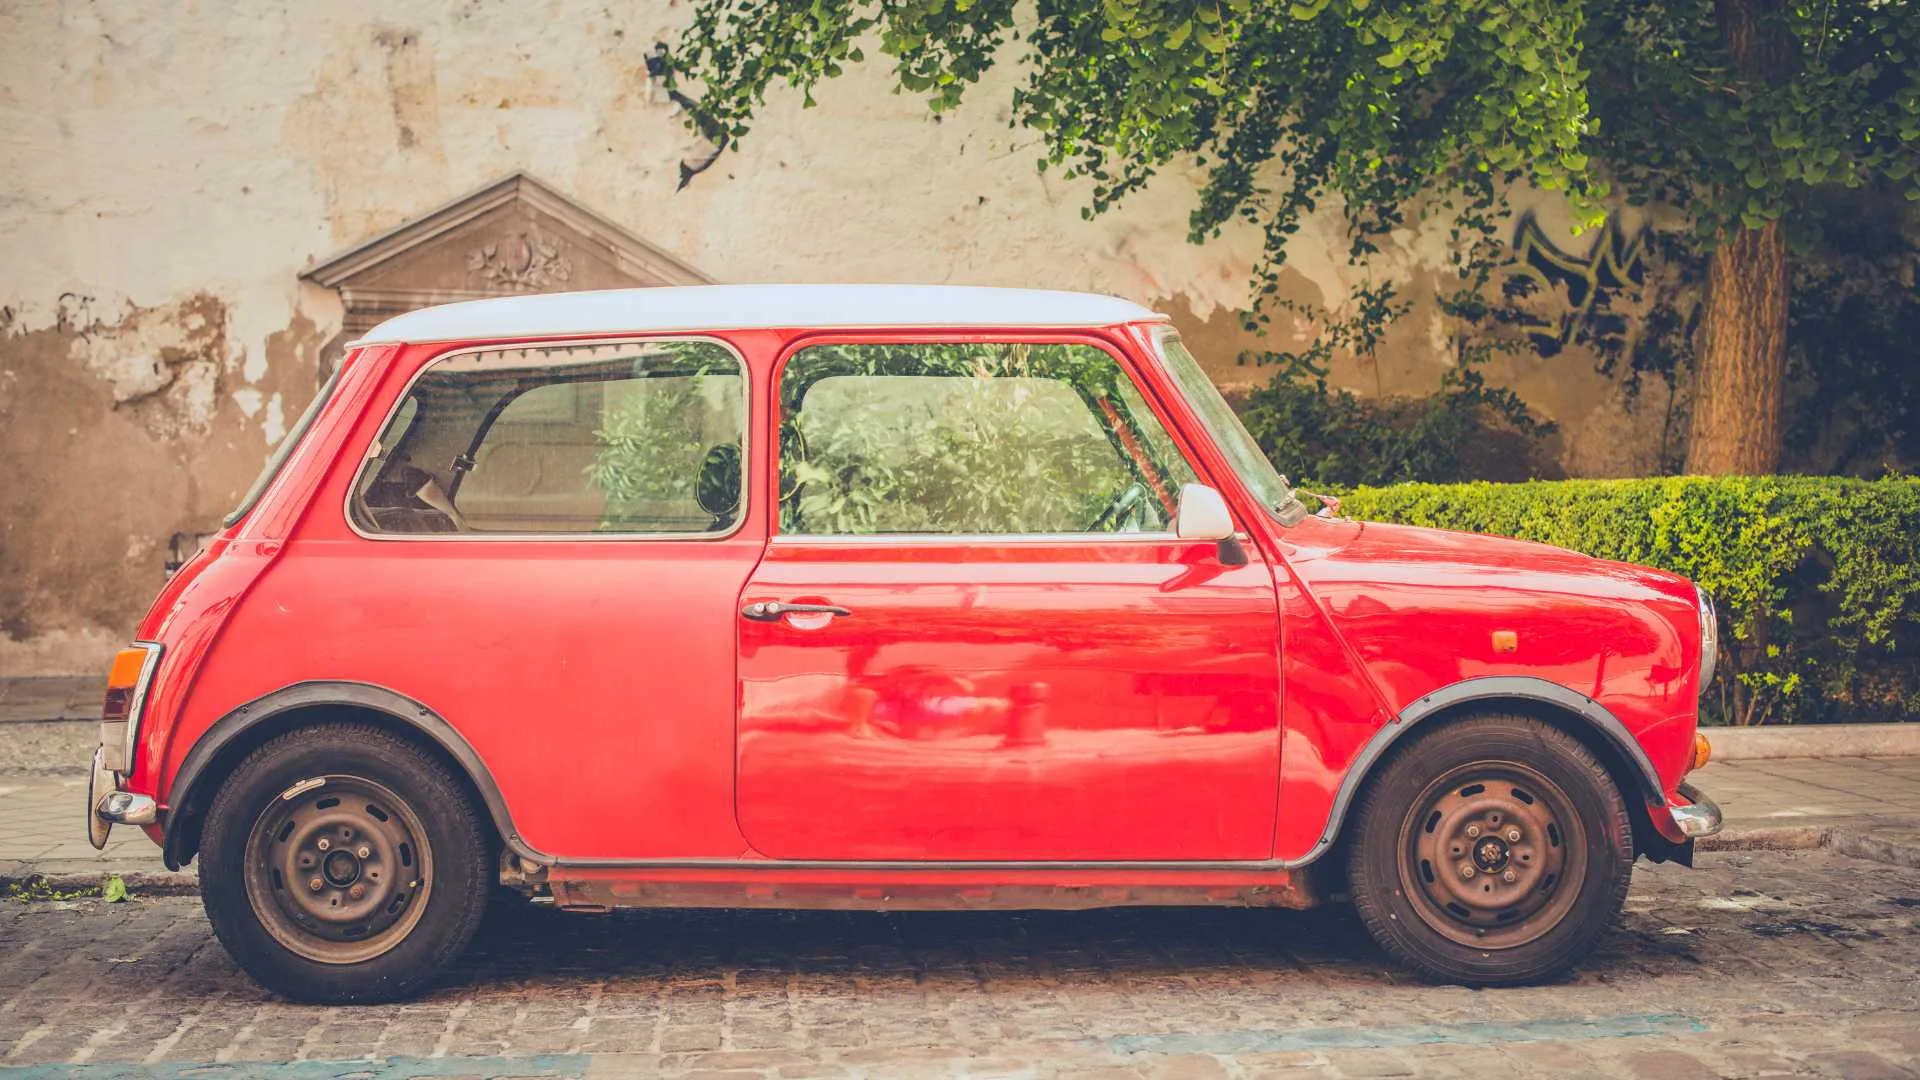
<point x="108" y="806"/>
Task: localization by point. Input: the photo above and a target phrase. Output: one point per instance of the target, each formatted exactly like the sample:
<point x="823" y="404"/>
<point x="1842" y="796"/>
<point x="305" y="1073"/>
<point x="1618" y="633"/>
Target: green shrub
<point x="1815" y="577"/>
<point x="1335" y="437"/>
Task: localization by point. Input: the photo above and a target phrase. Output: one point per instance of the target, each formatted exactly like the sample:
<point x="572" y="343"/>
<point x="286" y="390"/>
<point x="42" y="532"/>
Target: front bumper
<point x="1699" y="817"/>
<point x="1679" y="820"/>
<point x="108" y="806"/>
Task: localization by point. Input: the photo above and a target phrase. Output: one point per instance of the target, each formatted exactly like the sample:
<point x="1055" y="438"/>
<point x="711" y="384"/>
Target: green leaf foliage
<point x="1824" y="95"/>
<point x="1333" y="437"/>
<point x="1384" y="109"/>
<point x="1325" y="435"/>
<point x="1817" y="579"/>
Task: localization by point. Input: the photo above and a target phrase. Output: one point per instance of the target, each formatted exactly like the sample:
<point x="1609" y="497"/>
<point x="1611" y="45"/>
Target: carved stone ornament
<point x="529" y="262"/>
<point x="512" y="237"/>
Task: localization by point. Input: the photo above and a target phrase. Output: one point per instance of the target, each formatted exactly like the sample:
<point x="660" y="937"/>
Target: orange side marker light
<point x="122" y="678"/>
<point x="125" y="673"/>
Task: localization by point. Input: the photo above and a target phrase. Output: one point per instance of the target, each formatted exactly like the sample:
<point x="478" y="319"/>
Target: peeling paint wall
<point x="171" y="170"/>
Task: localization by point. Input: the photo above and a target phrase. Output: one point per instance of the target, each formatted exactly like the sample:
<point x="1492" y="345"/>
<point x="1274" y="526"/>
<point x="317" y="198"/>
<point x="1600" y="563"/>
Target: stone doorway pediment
<point x="510" y="238"/>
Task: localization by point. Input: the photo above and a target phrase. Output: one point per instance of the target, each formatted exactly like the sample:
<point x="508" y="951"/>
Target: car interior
<point x="532" y="449"/>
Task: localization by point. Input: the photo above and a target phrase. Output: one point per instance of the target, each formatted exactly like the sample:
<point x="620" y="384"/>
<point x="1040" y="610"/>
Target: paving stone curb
<point x="1814" y="741"/>
<point x="1895" y="847"/>
<point x="1769" y="838"/>
<point x="1894" y="844"/>
<point x="138" y="882"/>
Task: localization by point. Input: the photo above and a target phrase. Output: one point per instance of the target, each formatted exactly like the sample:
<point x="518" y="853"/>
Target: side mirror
<point x="1202" y="514"/>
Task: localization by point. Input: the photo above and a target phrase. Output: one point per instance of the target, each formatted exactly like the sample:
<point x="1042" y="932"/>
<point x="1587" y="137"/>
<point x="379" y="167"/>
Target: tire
<point x="1534" y="816"/>
<point x="341" y="863"/>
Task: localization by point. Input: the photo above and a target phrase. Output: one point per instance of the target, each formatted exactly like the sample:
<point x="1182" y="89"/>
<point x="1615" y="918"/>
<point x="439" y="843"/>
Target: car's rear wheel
<point x="343" y="863"/>
<point x="1491" y="850"/>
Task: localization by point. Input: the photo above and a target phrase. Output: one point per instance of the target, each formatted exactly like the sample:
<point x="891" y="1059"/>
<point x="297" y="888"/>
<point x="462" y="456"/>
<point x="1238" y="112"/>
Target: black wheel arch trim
<point x="394" y="705"/>
<point x="1486" y="688"/>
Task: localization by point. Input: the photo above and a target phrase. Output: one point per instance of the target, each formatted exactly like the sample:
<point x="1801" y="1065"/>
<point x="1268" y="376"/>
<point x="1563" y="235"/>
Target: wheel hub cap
<point x="338" y="870"/>
<point x="1493" y="855"/>
<point x="342" y="869"/>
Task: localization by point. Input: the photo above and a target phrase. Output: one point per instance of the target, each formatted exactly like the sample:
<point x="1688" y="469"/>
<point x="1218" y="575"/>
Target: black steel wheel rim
<point x="1492" y="855"/>
<point x="338" y="869"/>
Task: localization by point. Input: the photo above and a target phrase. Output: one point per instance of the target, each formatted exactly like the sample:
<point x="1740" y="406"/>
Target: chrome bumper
<point x="108" y="806"/>
<point x="1702" y="818"/>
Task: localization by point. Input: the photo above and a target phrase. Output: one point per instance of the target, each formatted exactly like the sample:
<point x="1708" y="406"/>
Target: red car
<point x="870" y="597"/>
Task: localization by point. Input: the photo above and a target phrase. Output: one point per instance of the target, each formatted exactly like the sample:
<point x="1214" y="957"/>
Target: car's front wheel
<point x="1491" y="851"/>
<point x="343" y="863"/>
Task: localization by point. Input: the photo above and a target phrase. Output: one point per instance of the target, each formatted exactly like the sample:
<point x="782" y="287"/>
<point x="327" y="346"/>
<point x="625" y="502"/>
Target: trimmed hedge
<point x="1817" y="578"/>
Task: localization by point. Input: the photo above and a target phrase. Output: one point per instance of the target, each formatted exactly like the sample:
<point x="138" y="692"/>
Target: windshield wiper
<point x="1290" y="511"/>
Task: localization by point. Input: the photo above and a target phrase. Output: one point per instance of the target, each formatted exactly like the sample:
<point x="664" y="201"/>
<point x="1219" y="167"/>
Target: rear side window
<point x="1006" y="439"/>
<point x="628" y="438"/>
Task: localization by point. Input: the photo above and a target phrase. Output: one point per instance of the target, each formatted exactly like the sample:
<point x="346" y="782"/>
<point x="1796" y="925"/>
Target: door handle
<point x="775" y="610"/>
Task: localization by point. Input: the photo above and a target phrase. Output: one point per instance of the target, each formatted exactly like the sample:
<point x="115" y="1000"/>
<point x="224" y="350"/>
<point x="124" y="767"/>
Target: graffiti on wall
<point x="1560" y="298"/>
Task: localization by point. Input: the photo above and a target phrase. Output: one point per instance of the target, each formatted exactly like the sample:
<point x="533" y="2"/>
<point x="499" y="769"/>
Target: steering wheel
<point x="1126" y="512"/>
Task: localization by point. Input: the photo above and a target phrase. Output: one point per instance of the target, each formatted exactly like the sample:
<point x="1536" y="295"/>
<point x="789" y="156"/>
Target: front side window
<point x="970" y="439"/>
<point x="572" y="439"/>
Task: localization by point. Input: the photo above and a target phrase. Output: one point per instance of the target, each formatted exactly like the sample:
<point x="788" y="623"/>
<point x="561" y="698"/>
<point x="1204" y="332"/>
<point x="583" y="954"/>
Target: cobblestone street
<point x="1761" y="963"/>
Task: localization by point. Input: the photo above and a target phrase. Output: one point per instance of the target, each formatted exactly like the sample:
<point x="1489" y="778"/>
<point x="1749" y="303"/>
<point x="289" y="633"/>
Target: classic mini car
<point x="870" y="597"/>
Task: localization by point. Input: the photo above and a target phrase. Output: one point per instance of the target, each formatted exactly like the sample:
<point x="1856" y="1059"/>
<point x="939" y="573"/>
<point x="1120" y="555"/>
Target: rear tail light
<point x="127" y="683"/>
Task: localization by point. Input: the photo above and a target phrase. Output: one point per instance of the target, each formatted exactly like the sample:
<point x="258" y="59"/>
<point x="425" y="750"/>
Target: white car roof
<point x="744" y="307"/>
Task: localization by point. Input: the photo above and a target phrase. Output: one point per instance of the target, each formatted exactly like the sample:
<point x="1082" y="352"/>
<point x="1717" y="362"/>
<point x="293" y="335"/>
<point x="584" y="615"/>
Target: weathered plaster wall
<point x="171" y="169"/>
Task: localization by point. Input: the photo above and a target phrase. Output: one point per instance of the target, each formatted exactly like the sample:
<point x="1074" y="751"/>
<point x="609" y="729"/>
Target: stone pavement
<point x="1752" y="964"/>
<point x="1799" y="791"/>
<point x="1867" y="807"/>
<point x="1755" y="963"/>
<point x="51" y="698"/>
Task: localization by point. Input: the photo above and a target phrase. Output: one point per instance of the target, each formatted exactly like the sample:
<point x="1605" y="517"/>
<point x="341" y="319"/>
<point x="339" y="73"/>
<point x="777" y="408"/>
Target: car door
<point x="550" y="539"/>
<point x="974" y="635"/>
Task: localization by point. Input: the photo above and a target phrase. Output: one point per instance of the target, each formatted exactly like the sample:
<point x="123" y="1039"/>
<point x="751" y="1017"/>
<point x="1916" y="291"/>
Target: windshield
<point x="283" y="451"/>
<point x="1248" y="461"/>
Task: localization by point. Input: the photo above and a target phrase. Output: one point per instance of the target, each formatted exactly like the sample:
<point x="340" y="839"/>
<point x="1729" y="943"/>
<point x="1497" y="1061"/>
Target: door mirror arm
<point x="1230" y="551"/>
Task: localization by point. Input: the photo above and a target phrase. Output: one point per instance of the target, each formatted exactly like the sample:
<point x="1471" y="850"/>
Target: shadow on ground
<point x="521" y="941"/>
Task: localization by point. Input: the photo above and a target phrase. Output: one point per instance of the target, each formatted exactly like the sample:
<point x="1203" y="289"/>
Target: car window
<point x="605" y="438"/>
<point x="970" y="438"/>
<point x="1242" y="452"/>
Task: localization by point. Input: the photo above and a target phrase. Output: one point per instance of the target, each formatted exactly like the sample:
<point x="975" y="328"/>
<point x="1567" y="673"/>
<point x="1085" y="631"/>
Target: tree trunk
<point x="1740" y="378"/>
